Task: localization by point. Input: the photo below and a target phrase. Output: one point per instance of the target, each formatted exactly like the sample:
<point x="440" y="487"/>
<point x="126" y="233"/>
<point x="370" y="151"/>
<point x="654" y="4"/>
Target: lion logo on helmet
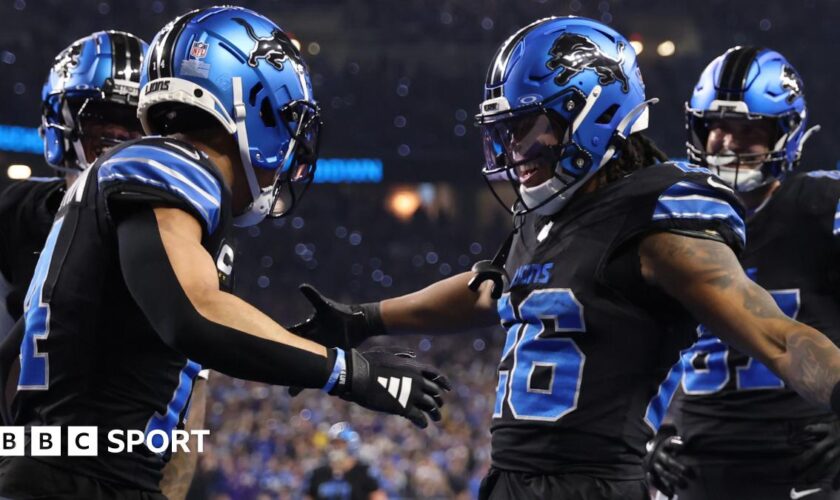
<point x="792" y="82"/>
<point x="68" y="60"/>
<point x="574" y="53"/>
<point x="275" y="49"/>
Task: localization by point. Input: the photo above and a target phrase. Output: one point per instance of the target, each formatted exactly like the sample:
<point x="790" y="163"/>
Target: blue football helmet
<point x="343" y="431"/>
<point x="234" y="66"/>
<point x="94" y="80"/>
<point x="570" y="78"/>
<point x="749" y="83"/>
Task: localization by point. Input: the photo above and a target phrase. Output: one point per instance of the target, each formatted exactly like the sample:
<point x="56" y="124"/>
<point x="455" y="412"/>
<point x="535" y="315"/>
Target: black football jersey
<point x="588" y="341"/>
<point x="27" y="209"/>
<point x="355" y="484"/>
<point x="89" y="356"/>
<point x="730" y="403"/>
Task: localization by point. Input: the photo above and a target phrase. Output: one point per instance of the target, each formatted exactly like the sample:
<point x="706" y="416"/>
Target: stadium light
<point x="638" y="46"/>
<point x="666" y="48"/>
<point x="19" y="171"/>
<point x="403" y="203"/>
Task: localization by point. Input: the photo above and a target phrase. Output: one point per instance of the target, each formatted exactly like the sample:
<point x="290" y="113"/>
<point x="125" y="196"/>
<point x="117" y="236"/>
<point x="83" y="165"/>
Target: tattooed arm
<point x="706" y="277"/>
<point x="178" y="472"/>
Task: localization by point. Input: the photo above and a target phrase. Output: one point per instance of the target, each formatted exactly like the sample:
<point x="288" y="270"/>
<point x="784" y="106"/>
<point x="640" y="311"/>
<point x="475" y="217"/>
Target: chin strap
<point x="260" y="198"/>
<point x="74" y="137"/>
<point x="807" y="135"/>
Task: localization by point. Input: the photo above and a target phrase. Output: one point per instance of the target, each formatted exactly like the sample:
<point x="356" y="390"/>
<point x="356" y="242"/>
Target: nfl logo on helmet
<point x="198" y="50"/>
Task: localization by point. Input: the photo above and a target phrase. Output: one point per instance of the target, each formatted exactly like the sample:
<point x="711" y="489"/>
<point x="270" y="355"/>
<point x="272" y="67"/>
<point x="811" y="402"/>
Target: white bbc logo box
<point x="83" y="441"/>
<point x="46" y="441"/>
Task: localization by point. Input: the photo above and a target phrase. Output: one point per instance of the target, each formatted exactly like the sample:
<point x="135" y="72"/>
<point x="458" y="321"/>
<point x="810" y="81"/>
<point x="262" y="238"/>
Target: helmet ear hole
<point x="172" y="119"/>
<point x="252" y="95"/>
<point x="267" y="113"/>
<point x="607" y="115"/>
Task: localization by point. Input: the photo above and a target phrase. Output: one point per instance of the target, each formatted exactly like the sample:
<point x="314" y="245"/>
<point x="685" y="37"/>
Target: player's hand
<point x="334" y="324"/>
<point x="822" y="455"/>
<point x="390" y="380"/>
<point x="662" y="468"/>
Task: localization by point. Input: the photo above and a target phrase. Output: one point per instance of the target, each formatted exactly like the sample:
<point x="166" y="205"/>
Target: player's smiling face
<point x="105" y="125"/>
<point x="749" y="139"/>
<point x="531" y="138"/>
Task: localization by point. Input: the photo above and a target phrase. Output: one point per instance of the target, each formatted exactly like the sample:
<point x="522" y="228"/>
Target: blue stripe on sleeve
<point x="686" y="200"/>
<point x="837" y="220"/>
<point x="689" y="168"/>
<point x="168" y="171"/>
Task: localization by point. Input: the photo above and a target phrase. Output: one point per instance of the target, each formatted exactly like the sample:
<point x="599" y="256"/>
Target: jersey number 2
<point x="544" y="381"/>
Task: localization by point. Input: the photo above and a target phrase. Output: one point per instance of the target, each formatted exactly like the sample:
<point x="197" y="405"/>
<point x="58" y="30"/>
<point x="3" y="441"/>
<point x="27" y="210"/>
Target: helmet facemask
<point x="532" y="142"/>
<point x="92" y="123"/>
<point x="744" y="171"/>
<point x="303" y="122"/>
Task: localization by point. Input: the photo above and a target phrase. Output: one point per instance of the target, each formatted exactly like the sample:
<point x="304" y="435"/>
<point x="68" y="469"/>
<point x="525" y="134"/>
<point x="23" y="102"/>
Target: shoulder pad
<point x="697" y="200"/>
<point x="164" y="170"/>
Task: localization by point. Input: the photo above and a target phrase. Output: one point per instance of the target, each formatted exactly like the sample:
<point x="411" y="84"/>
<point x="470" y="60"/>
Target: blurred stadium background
<point x="400" y="201"/>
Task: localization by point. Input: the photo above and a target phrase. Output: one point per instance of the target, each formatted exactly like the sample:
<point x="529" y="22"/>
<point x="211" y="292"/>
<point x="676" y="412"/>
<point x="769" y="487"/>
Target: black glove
<point x="390" y="380"/>
<point x="334" y="324"/>
<point x="662" y="468"/>
<point x="822" y="453"/>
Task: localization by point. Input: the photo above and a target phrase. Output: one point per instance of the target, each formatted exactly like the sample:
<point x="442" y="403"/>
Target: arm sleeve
<point x="152" y="282"/>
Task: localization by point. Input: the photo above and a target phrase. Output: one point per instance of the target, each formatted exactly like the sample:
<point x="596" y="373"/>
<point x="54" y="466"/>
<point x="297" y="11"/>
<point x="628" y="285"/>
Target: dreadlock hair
<point x="638" y="152"/>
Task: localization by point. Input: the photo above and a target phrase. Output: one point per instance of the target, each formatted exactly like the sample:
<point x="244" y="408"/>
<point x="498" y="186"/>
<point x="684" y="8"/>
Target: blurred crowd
<point x="402" y="81"/>
<point x="263" y="443"/>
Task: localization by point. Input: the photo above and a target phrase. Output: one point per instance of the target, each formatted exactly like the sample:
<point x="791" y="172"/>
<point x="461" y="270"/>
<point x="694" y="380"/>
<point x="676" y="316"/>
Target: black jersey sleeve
<point x="161" y="171"/>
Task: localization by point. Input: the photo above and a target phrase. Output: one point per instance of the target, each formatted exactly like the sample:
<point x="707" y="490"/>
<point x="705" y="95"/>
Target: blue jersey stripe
<point x="837" y="220"/>
<point x="170" y="172"/>
<point x="689" y="168"/>
<point x="657" y="407"/>
<point x="168" y="421"/>
<point x="686" y="200"/>
<point x="162" y="155"/>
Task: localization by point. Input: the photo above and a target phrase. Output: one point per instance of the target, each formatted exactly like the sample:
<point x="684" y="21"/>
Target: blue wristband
<point x="339" y="370"/>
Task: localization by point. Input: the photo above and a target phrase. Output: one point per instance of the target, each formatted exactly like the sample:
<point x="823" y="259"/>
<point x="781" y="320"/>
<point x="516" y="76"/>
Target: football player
<point x="745" y="432"/>
<point x="344" y="475"/>
<point x="126" y="304"/>
<point x="88" y="103"/>
<point x="613" y="257"/>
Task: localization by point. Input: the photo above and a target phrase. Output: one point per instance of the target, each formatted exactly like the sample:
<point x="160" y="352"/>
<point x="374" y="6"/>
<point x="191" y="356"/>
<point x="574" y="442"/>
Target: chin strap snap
<point x="493" y="270"/>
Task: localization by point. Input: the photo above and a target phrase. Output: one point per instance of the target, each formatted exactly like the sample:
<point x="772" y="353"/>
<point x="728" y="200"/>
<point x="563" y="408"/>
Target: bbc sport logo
<point x="46" y="441"/>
